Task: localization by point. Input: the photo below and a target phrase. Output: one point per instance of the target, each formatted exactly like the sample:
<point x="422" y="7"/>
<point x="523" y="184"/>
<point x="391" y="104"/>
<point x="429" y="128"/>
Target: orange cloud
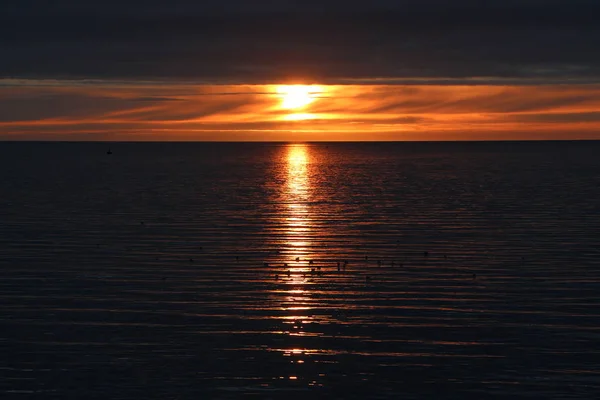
<point x="147" y="111"/>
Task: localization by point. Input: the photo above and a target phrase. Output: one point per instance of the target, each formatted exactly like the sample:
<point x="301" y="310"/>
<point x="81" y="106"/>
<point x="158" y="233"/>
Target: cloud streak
<point x="354" y="112"/>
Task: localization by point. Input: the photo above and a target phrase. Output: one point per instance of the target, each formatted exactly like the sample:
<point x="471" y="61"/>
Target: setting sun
<point x="298" y="96"/>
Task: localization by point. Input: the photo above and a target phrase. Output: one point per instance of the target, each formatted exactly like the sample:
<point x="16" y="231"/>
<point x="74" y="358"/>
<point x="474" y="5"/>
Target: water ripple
<point x="339" y="270"/>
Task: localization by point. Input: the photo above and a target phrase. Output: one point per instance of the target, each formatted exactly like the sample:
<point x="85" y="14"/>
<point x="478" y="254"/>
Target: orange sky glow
<point x="72" y="110"/>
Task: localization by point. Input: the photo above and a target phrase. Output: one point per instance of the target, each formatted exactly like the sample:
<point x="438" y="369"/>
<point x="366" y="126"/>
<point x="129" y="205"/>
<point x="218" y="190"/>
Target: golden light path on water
<point x="297" y="195"/>
<point x="297" y="198"/>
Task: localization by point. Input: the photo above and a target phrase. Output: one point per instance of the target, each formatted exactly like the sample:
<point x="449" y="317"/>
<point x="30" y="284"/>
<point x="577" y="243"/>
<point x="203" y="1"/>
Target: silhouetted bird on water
<point x="109" y="152"/>
<point x="425" y="253"/>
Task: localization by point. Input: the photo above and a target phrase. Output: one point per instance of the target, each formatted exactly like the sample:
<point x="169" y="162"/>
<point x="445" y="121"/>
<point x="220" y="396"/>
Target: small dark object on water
<point x="191" y="260"/>
<point x="297" y="259"/>
<point x="109" y="152"/>
<point x="474" y="276"/>
<point x="276" y="277"/>
<point x="425" y="253"/>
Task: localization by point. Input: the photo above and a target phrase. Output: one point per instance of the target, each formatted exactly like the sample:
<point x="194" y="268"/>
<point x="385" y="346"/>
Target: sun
<point x="295" y="97"/>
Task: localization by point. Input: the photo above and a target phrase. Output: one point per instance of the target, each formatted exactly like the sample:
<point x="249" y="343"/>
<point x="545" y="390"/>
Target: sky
<point x="379" y="70"/>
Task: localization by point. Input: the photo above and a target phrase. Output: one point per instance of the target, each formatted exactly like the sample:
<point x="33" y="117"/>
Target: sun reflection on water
<point x="297" y="197"/>
<point x="298" y="231"/>
<point x="298" y="263"/>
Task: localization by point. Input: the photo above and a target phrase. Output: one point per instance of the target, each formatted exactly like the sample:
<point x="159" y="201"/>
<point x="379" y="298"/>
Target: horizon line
<point x="300" y="141"/>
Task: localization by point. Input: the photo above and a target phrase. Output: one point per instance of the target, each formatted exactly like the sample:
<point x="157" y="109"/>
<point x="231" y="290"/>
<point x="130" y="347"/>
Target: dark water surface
<point x="473" y="270"/>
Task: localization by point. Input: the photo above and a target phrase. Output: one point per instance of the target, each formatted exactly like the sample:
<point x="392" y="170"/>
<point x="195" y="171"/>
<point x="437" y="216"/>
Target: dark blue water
<point x="391" y="270"/>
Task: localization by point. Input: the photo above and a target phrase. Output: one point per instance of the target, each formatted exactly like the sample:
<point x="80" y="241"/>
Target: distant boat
<point x="109" y="152"/>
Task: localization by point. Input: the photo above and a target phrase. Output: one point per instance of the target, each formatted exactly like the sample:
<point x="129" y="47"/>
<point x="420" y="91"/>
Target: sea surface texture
<point x="318" y="270"/>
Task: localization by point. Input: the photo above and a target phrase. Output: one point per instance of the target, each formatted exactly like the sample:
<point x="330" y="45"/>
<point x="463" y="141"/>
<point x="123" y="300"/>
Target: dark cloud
<point x="55" y="106"/>
<point x="259" y="41"/>
<point x="155" y="99"/>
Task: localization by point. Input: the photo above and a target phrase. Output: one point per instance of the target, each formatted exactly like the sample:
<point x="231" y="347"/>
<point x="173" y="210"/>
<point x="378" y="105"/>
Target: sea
<point x="405" y="270"/>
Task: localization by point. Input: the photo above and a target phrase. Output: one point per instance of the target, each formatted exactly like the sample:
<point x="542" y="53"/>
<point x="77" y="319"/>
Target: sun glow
<point x="298" y="117"/>
<point x="298" y="96"/>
